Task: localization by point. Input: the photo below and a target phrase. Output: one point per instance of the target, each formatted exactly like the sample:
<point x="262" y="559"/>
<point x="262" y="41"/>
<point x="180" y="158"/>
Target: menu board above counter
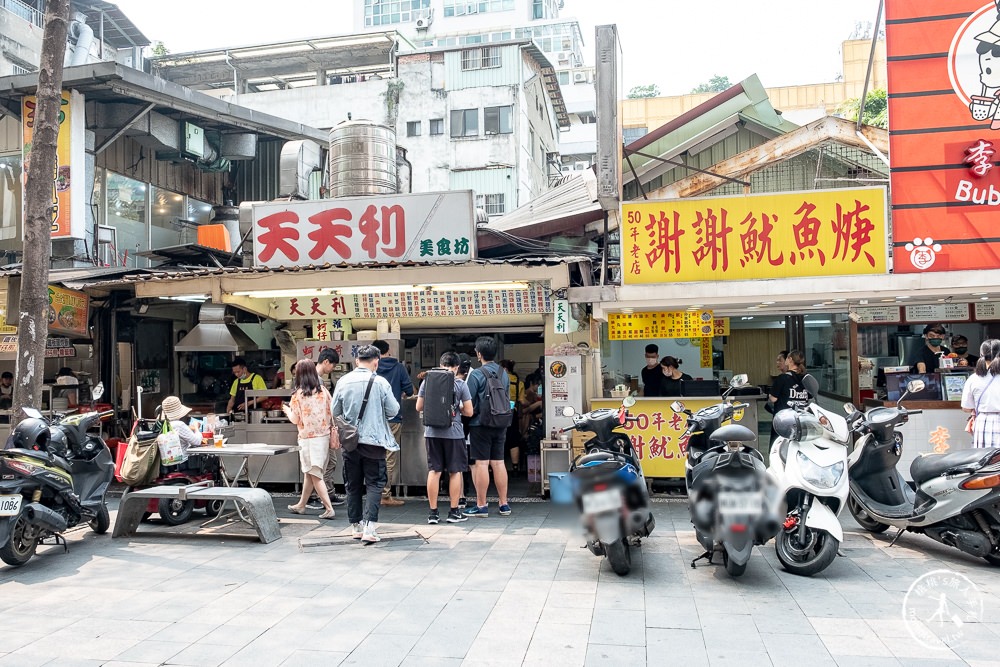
<point x="878" y="315"/>
<point x="941" y="312"/>
<point x="987" y="311"/>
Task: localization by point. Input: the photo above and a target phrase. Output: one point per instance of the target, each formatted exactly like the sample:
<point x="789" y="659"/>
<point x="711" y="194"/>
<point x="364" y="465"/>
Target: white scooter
<point x="954" y="497"/>
<point x="809" y="465"/>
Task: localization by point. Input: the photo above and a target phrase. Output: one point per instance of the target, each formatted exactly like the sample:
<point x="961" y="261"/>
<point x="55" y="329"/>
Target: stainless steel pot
<point x="275" y="414"/>
<point x="257" y="416"/>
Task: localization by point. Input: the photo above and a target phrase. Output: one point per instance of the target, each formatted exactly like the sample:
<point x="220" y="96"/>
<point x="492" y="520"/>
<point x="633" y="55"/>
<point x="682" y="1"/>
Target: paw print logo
<point x="923" y="252"/>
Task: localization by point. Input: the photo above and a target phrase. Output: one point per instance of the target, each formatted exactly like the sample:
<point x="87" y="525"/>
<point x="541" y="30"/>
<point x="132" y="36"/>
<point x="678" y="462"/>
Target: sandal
<point x="328" y="514"/>
<point x="296" y="510"/>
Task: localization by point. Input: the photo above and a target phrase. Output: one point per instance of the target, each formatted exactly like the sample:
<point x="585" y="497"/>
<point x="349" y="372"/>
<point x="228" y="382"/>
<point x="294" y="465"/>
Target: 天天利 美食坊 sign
<point x="426" y="228"/>
<point x="784" y="235"/>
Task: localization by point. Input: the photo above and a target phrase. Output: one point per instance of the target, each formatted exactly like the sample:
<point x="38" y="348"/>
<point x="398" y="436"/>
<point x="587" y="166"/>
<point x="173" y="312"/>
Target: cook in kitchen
<point x="245" y="381"/>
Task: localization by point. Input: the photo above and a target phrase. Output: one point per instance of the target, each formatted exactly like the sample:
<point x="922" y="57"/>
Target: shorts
<point x="487" y="444"/>
<point x="447" y="454"/>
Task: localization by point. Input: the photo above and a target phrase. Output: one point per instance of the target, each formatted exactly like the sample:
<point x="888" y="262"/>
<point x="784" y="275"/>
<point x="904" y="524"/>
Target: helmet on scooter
<point x="798" y="426"/>
<point x="57" y="442"/>
<point x="31" y="433"/>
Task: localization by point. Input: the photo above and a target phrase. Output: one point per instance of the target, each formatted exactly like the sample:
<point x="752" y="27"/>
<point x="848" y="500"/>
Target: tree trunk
<point x="32" y="319"/>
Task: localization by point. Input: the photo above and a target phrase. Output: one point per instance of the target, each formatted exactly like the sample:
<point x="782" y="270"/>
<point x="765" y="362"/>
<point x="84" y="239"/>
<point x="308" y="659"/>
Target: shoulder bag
<point x="347" y="433"/>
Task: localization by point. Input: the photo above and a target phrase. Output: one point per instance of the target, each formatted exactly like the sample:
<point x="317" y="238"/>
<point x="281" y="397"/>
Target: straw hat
<point x="173" y="409"/>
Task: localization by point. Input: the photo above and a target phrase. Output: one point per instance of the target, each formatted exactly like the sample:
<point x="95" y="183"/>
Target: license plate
<point x="10" y="505"/>
<point x="740" y="503"/>
<point x="602" y="501"/>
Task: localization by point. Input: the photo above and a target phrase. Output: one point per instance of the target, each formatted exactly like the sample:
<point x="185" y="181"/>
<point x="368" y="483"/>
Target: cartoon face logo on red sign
<point x="974" y="64"/>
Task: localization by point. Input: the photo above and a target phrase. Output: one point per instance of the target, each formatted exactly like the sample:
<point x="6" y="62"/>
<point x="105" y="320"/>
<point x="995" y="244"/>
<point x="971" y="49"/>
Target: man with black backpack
<point x="492" y="415"/>
<point x="444" y="400"/>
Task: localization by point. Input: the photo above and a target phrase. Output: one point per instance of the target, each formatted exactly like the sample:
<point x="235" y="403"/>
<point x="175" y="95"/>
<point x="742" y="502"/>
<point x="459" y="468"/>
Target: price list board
<point x="535" y="299"/>
<point x="676" y="324"/>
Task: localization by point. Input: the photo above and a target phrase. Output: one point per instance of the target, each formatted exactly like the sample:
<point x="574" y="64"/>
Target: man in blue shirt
<point x="397" y="377"/>
<point x="486" y="443"/>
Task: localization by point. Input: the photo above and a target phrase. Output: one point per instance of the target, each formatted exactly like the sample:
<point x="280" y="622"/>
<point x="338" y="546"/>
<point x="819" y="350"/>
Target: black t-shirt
<point x="651" y="380"/>
<point x="788" y="387"/>
<point x="672" y="387"/>
<point x="930" y="358"/>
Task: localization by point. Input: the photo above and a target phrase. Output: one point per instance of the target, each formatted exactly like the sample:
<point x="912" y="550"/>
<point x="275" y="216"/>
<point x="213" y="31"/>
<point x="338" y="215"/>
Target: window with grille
<point x="492" y="204"/>
<point x="465" y="7"/>
<point x="437" y="126"/>
<point x="413" y="128"/>
<point x="465" y="122"/>
<point x="486" y="57"/>
<point x="498" y="120"/>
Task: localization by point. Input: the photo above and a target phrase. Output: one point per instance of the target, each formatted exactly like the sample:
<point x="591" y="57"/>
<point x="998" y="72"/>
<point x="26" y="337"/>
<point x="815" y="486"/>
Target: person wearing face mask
<point x="960" y="346"/>
<point x="651" y="374"/>
<point x="245" y="380"/>
<point x="928" y="358"/>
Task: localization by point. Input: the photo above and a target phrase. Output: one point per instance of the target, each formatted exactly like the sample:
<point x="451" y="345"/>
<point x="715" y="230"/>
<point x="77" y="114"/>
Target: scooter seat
<point x="930" y="466"/>
<point x="45" y="458"/>
<point x="596" y="457"/>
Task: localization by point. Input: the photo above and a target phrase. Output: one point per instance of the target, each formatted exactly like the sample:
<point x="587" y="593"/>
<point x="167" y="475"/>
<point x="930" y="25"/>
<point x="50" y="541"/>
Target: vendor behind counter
<point x="928" y="358"/>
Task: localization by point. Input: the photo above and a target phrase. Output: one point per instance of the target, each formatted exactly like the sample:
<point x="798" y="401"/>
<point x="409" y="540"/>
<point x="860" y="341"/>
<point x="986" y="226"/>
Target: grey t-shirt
<point x="455" y="431"/>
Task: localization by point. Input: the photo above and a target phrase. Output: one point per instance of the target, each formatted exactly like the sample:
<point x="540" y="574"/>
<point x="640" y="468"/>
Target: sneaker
<point x="505" y="510"/>
<point x="389" y="501"/>
<point x="336" y="500"/>
<point x="455" y="516"/>
<point x="433" y="517"/>
<point x="462" y="503"/>
<point x="314" y="505"/>
<point x="478" y="512"/>
<point x="370" y="535"/>
<point x="357" y="531"/>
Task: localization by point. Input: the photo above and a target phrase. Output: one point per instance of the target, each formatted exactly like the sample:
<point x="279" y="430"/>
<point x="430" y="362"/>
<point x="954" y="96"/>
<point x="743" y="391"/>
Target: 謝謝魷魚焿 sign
<point x="428" y="227"/>
<point x="785" y="235"/>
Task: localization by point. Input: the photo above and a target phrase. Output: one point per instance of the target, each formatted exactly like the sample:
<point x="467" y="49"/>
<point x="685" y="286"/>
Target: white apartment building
<point x="483" y="117"/>
<point x="451" y="23"/>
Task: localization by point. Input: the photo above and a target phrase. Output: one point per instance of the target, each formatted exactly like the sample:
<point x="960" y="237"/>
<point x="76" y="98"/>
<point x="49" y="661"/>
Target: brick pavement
<point x="500" y="591"/>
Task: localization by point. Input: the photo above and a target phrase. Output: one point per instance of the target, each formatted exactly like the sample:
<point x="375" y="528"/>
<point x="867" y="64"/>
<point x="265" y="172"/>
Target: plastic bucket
<point x="560" y="489"/>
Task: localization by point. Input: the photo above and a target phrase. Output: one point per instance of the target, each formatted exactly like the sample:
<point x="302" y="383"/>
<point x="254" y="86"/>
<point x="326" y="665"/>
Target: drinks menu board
<point x="676" y="324"/>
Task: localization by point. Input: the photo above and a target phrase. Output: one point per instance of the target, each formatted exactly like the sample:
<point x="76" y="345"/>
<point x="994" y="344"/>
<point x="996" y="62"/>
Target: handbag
<point x="169" y="443"/>
<point x="347" y="433"/>
<point x="970" y="423"/>
<point x="141" y="463"/>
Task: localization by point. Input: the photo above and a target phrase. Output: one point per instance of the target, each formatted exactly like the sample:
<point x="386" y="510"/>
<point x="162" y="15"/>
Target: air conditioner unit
<point x="581" y="165"/>
<point x="563" y="56"/>
<point x="424" y="19"/>
<point x="566" y="168"/>
<point x="579" y="77"/>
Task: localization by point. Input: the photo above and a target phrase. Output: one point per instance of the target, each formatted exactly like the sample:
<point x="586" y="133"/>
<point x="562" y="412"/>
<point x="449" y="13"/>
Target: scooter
<point x="732" y="500"/>
<point x="608" y="486"/>
<point x="954" y="497"/>
<point x="53" y="477"/>
<point x="809" y="465"/>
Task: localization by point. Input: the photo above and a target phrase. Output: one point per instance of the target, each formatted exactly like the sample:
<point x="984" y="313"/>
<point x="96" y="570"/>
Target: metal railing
<point x="29" y="14"/>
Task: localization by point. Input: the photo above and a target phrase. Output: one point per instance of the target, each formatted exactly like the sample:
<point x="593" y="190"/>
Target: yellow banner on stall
<point x="656" y="434"/>
<point x="784" y="235"/>
<point x="61" y="192"/>
<point x="678" y="324"/>
<point x="706" y="352"/>
<point x="720" y="326"/>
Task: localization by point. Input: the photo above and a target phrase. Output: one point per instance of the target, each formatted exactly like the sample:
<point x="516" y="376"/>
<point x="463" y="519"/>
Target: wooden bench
<point x="255" y="503"/>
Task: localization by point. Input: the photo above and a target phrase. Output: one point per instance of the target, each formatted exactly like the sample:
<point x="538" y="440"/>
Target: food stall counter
<point x="656" y="435"/>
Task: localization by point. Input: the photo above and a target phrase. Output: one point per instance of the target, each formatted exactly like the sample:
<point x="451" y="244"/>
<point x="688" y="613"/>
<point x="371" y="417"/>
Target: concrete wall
<point x="19" y="38"/>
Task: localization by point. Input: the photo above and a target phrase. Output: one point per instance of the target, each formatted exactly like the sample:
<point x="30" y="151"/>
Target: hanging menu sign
<point x="988" y="311"/>
<point x="942" y="312"/>
<point x="54" y="347"/>
<point x="878" y="315"/>
<point x="677" y="324"/>
<point x="535" y="299"/>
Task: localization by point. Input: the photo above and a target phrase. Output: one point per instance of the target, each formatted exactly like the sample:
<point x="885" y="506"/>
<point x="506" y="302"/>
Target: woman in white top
<point x="981" y="396"/>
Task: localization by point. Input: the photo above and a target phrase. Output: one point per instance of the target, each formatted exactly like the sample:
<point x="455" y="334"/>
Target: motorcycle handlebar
<point x="914" y="412"/>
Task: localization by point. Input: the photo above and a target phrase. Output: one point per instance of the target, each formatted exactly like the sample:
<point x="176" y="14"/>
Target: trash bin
<point x="560" y="489"/>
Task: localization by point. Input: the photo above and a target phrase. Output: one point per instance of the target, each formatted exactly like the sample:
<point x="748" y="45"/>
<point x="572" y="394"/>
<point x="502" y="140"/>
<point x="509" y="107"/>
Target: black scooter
<point x="609" y="488"/>
<point x="53" y="476"/>
<point x="732" y="500"/>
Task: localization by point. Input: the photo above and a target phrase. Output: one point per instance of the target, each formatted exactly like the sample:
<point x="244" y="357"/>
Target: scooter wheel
<point x="174" y="512"/>
<point x="806" y="560"/>
<point x="732" y="568"/>
<point x="619" y="556"/>
<point x="22" y="543"/>
<point x="100" y="523"/>
<point x="992" y="560"/>
<point x="865" y="520"/>
<point x="213" y="507"/>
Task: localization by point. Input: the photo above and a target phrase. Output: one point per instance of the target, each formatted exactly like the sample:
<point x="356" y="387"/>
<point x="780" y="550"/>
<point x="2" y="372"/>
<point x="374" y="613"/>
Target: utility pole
<point x="33" y="308"/>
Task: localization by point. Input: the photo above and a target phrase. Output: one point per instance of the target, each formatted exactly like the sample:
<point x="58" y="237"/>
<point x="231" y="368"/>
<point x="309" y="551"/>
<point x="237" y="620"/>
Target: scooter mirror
<point x="568" y="411"/>
<point x="98" y="391"/>
<point x="913" y="386"/>
<point x="811" y="384"/>
<point x="628" y="401"/>
<point x="740" y="380"/>
<point x="849" y="408"/>
<point x="677" y="407"/>
<point x="33" y="413"/>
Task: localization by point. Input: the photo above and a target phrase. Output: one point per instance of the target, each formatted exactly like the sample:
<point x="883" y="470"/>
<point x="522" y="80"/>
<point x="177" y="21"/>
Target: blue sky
<point x="672" y="43"/>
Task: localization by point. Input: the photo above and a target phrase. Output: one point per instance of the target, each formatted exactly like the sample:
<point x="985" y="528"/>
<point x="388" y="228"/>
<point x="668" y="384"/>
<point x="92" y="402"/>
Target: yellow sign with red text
<point x="61" y="181"/>
<point x="751" y="237"/>
<point x="656" y="435"/>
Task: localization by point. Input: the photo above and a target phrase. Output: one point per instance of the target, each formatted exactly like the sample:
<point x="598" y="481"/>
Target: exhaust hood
<point x="215" y="332"/>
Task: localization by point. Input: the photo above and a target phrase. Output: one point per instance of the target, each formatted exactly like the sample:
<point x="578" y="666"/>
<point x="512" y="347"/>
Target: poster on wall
<point x="944" y="133"/>
<point x="69" y="311"/>
<point x="670" y="324"/>
<point x="783" y="235"/>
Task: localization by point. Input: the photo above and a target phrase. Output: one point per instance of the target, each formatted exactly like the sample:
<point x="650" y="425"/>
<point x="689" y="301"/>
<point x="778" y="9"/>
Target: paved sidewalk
<point x="499" y="591"/>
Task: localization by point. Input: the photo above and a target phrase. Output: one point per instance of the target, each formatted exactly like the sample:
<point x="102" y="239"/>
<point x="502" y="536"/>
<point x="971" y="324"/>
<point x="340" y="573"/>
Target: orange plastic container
<point x="215" y="236"/>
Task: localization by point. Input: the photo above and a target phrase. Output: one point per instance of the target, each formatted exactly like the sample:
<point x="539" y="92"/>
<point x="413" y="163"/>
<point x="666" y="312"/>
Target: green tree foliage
<point x="639" y="92"/>
<point x="159" y="49"/>
<point x="715" y="85"/>
<point x="876" y="111"/>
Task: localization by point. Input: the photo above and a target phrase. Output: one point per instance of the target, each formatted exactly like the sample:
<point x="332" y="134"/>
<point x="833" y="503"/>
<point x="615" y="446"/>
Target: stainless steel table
<point x="245" y="452"/>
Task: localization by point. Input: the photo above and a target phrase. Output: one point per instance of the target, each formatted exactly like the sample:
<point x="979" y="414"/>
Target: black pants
<point x="365" y="477"/>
